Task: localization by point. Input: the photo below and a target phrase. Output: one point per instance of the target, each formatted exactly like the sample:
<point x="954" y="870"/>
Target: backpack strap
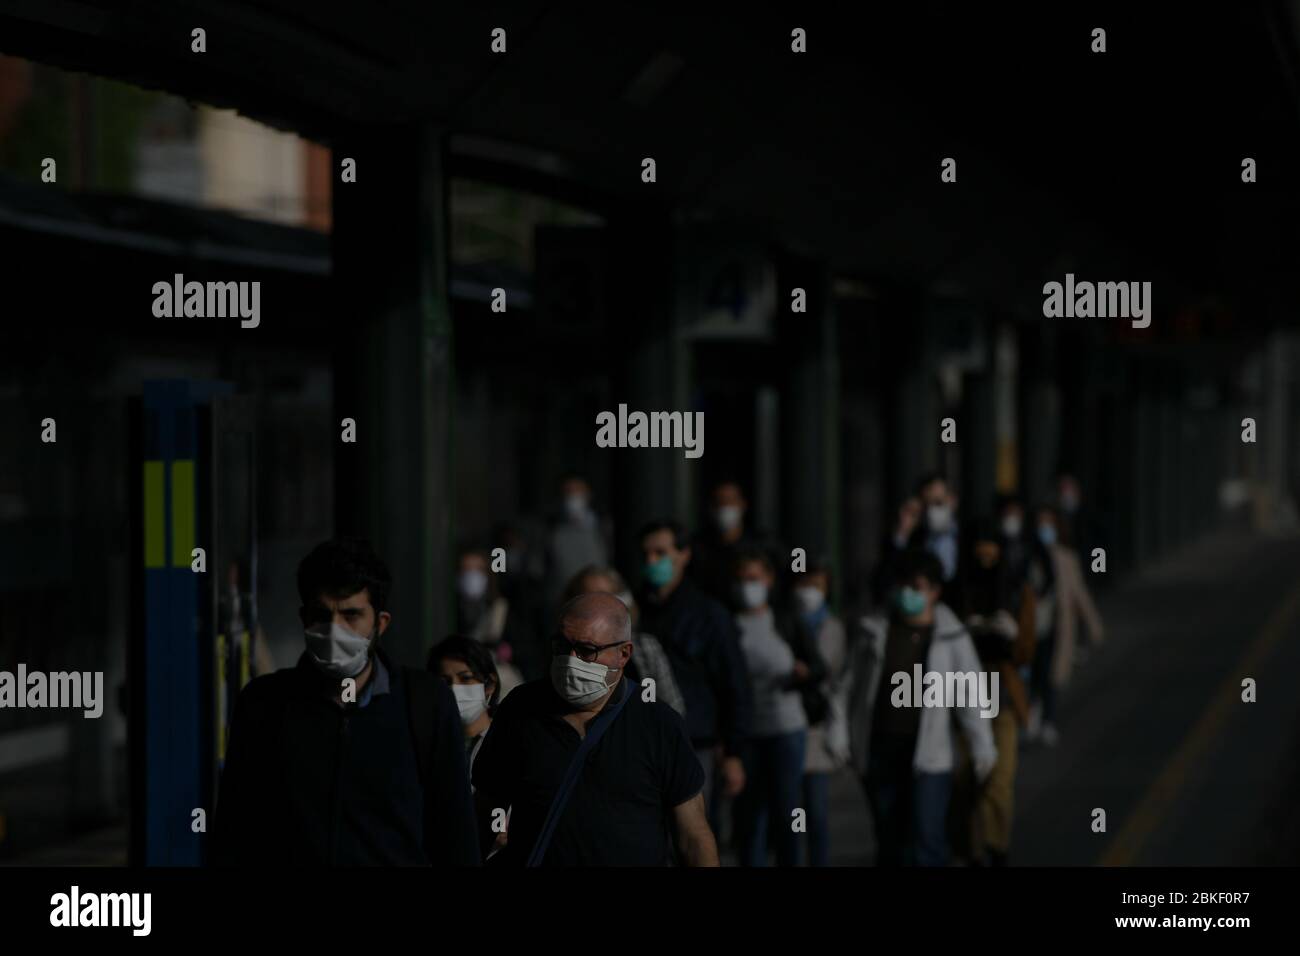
<point x="595" y="730"/>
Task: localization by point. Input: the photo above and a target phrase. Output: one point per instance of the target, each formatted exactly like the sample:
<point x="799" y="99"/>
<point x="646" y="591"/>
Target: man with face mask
<point x="703" y="646"/>
<point x="594" y="774"/>
<point x="345" y="759"/>
<point x="926" y="520"/>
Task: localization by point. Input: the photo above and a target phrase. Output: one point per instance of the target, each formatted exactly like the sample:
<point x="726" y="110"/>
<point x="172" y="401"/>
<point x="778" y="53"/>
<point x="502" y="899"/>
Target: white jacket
<point x="951" y="651"/>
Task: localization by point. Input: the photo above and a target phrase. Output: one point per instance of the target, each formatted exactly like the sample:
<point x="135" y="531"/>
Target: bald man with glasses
<point x="588" y="768"/>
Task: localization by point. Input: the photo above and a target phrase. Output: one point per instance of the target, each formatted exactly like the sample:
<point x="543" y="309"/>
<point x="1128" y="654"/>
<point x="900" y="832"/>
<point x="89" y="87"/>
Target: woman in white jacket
<point x="905" y="755"/>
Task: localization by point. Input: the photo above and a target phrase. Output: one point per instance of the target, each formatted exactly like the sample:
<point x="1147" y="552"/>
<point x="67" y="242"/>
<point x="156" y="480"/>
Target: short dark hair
<point x="1005" y="499"/>
<point x="727" y="480"/>
<point x="918" y="563"/>
<point x="680" y="538"/>
<point x="819" y="565"/>
<point x="750" y="554"/>
<point x="476" y="657"/>
<point x="342" y="567"/>
<point x="984" y="528"/>
<point x="928" y="479"/>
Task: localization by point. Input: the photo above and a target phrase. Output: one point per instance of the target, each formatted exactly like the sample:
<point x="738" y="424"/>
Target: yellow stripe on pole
<point x="245" y="665"/>
<point x="182" y="512"/>
<point x="155" y="528"/>
<point x="221" y="697"/>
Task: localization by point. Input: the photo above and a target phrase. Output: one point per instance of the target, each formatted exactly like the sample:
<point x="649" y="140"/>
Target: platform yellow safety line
<point x="1160" y="796"/>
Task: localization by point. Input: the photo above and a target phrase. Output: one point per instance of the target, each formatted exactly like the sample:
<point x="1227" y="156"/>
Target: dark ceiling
<point x="1066" y="159"/>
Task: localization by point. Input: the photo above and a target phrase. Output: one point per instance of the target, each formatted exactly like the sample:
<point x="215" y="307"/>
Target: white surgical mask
<point x="472" y="584"/>
<point x="753" y="594"/>
<point x="577" y="681"/>
<point x="727" y="517"/>
<point x="1011" y="526"/>
<point x="471" y="701"/>
<point x="575" y="506"/>
<point x="810" y="598"/>
<point x="939" y="517"/>
<point x="338" y="651"/>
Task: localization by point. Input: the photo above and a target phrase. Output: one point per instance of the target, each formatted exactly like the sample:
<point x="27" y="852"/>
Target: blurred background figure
<point x="727" y="531"/>
<point x="927" y="520"/>
<point x="235" y="615"/>
<point x="650" y="660"/>
<point x="484" y="615"/>
<point x="778" y="667"/>
<point x="523" y="592"/>
<point x="576" y="538"/>
<point x="824" y="704"/>
<point x="1084" y="525"/>
<point x="1039" y="576"/>
<point x="907" y="522"/>
<point x="1021" y="553"/>
<point x="998" y="607"/>
<point x="1073" y="600"/>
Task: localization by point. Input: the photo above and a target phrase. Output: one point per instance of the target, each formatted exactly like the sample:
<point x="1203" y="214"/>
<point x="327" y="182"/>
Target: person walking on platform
<point x="345" y="759"/>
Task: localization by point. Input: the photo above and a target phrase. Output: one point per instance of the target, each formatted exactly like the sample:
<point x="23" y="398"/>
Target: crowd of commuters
<point x="695" y="714"/>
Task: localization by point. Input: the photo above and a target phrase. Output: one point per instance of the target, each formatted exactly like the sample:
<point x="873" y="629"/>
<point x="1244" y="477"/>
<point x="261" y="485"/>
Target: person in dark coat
<point x="345" y="759"/>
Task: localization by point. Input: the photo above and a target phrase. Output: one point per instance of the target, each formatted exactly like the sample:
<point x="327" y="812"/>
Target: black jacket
<point x="703" y="646"/>
<point x="307" y="782"/>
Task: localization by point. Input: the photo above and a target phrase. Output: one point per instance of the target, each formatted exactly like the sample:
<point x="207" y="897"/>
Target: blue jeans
<point x="817" y="801"/>
<point x="910" y="809"/>
<point x="773" y="782"/>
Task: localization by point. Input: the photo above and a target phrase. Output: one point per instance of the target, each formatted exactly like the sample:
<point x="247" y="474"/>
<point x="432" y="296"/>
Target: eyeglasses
<point x="562" y="646"/>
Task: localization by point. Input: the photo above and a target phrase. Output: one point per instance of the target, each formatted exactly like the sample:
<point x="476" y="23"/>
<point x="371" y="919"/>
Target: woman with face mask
<point x="776" y="749"/>
<point x="469" y="670"/>
<point x="1073" y="601"/>
<point x="824" y="705"/>
<point x="484" y="615"/>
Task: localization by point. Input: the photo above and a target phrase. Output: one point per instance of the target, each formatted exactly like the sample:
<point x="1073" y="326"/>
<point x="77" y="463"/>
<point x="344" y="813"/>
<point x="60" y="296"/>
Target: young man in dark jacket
<point x="344" y="759"/>
<point x="703" y="645"/>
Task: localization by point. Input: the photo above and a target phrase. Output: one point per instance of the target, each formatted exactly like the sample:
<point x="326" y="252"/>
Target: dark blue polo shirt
<point x="620" y="812"/>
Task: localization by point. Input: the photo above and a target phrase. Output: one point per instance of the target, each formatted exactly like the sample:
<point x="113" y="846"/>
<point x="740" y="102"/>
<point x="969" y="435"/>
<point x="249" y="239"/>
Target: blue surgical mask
<point x="1047" y="535"/>
<point x="911" y="602"/>
<point x="660" y="572"/>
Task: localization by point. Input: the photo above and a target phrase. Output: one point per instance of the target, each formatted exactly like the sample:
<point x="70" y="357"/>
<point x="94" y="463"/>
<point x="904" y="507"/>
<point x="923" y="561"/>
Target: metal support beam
<point x="393" y="371"/>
